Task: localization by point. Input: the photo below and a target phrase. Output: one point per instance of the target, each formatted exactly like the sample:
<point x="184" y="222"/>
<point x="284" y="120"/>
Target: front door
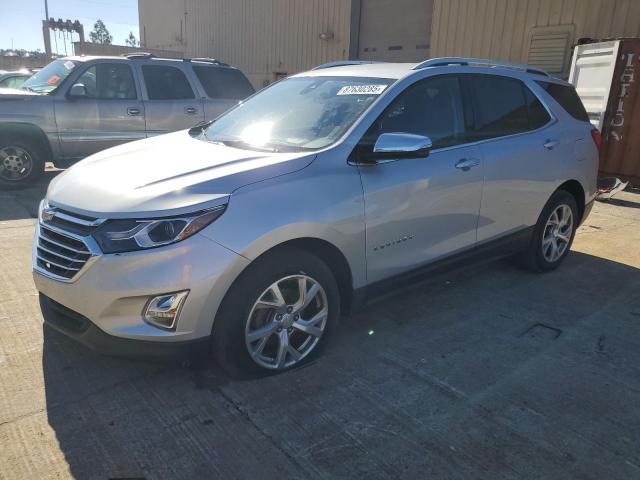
<point x="109" y="113"/>
<point x="418" y="210"/>
<point x="170" y="100"/>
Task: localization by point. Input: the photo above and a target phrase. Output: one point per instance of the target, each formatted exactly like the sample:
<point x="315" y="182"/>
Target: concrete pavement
<point x="489" y="373"/>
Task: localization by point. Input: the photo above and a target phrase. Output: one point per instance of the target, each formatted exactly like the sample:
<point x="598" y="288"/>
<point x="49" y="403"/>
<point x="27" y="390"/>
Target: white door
<point x="592" y="69"/>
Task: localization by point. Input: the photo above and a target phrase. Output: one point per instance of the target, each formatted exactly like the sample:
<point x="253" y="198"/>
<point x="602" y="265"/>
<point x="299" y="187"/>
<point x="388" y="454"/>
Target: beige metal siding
<point x="502" y="29"/>
<point x="261" y="37"/>
<point x="395" y="31"/>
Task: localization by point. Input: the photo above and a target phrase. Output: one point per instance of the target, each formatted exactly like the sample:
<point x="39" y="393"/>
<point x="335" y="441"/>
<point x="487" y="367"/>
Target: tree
<point x="131" y="41"/>
<point x="100" y="34"/>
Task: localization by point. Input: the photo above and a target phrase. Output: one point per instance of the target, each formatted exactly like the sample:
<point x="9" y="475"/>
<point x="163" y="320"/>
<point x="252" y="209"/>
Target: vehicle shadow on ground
<point x="19" y="203"/>
<point x="411" y="385"/>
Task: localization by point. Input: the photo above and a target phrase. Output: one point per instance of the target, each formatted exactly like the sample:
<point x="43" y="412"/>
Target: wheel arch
<point x="574" y="187"/>
<point x="329" y="254"/>
<point x="28" y="132"/>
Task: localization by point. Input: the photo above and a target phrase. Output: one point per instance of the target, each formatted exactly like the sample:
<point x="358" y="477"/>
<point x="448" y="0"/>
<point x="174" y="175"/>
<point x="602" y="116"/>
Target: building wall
<point x="264" y="38"/>
<point x="502" y="29"/>
<point x="395" y="31"/>
<point x="89" y="48"/>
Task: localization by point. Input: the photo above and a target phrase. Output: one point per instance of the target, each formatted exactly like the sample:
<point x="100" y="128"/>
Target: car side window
<point x="166" y="83"/>
<point x="223" y="82"/>
<point x="568" y="99"/>
<point x="500" y="105"/>
<point x="109" y="81"/>
<point x="538" y="115"/>
<point x="431" y="107"/>
<point x="12" y="82"/>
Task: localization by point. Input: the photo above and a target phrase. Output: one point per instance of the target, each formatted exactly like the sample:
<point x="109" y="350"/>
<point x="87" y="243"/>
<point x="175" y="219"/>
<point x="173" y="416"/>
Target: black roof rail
<point x="138" y="55"/>
<point x="206" y="60"/>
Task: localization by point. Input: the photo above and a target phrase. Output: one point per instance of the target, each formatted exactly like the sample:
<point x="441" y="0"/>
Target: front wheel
<point x="553" y="234"/>
<point x="278" y="314"/>
<point x="20" y="163"/>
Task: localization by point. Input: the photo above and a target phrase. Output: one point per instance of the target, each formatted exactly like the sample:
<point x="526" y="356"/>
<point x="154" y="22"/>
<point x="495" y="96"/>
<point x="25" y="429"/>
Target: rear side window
<point x="538" y="115"/>
<point x="568" y="99"/>
<point x="166" y="83"/>
<point x="223" y="83"/>
<point x="503" y="106"/>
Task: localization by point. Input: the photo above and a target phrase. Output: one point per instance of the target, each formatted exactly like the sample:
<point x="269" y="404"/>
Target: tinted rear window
<point x="166" y="83"/>
<point x="220" y="82"/>
<point x="568" y="98"/>
<point x="501" y="107"/>
<point x="538" y="115"/>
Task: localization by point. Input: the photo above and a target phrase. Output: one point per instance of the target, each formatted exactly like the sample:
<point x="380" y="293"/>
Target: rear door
<point x="524" y="150"/>
<point x="418" y="210"/>
<point x="111" y="113"/>
<point x="170" y="99"/>
<point x="224" y="88"/>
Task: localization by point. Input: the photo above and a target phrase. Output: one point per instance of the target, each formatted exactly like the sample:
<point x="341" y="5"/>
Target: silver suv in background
<point x="77" y="106"/>
<point x="251" y="235"/>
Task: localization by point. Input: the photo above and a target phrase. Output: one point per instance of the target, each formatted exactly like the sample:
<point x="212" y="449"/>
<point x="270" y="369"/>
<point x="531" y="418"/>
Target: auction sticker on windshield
<point x="361" y="90"/>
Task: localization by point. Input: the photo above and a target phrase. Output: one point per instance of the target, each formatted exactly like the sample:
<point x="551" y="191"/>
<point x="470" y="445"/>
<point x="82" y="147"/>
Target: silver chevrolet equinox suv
<point x="250" y="235"/>
<point x="77" y="106"/>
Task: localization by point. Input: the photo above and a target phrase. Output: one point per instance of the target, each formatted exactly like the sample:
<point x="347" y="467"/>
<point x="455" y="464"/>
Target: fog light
<point x="162" y="311"/>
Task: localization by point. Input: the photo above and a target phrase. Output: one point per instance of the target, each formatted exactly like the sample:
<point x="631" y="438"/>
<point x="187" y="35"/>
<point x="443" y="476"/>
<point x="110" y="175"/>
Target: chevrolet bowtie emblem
<point x="48" y="214"/>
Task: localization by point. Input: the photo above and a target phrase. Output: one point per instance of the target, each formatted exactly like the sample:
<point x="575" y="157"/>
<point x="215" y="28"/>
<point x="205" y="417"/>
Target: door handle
<point x="466" y="164"/>
<point x="190" y="110"/>
<point x="133" y="111"/>
<point x="550" y="144"/>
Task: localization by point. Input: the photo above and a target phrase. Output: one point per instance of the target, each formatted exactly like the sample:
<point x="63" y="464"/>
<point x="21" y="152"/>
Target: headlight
<point x="116" y="236"/>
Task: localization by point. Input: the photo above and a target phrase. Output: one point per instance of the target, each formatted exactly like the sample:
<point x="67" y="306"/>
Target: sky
<point x="21" y="20"/>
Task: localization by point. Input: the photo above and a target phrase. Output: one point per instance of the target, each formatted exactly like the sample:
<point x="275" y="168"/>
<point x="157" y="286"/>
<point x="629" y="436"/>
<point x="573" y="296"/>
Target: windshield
<point x="48" y="79"/>
<point x="300" y="113"/>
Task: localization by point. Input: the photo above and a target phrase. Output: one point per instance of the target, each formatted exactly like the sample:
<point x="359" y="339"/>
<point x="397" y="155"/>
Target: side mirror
<point x="401" y="145"/>
<point x="78" y="90"/>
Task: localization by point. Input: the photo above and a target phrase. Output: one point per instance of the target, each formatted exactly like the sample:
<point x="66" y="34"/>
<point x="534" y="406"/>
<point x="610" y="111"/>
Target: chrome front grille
<point x="63" y="242"/>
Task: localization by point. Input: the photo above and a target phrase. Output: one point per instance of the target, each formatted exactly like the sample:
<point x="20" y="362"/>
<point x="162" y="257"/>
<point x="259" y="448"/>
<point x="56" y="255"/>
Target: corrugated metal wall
<point x="395" y="30"/>
<point x="261" y="37"/>
<point x="501" y="29"/>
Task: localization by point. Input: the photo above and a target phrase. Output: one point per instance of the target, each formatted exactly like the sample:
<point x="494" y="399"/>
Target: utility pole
<point x="46" y="32"/>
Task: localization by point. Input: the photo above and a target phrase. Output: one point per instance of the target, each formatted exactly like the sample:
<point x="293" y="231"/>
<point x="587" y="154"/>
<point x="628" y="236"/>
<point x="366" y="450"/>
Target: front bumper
<point x="113" y="290"/>
<point x="81" y="329"/>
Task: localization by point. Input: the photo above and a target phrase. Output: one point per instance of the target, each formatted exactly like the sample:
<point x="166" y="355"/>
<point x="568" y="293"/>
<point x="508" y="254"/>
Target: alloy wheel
<point x="15" y="163"/>
<point x="286" y="322"/>
<point x="557" y="233"/>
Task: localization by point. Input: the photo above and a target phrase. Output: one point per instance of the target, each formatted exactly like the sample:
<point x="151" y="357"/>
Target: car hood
<point x="166" y="175"/>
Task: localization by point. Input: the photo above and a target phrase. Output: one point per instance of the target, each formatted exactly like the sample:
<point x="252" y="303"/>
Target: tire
<point x="253" y="317"/>
<point x="541" y="257"/>
<point x="16" y="154"/>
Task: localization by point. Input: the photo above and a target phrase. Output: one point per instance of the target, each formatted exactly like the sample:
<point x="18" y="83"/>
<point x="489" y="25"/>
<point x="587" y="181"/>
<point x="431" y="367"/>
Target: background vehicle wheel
<point x="21" y="163"/>
<point x="278" y="314"/>
<point x="553" y="234"/>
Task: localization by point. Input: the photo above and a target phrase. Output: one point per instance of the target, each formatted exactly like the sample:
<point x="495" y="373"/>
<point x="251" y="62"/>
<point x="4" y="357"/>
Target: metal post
<point x="47" y="39"/>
